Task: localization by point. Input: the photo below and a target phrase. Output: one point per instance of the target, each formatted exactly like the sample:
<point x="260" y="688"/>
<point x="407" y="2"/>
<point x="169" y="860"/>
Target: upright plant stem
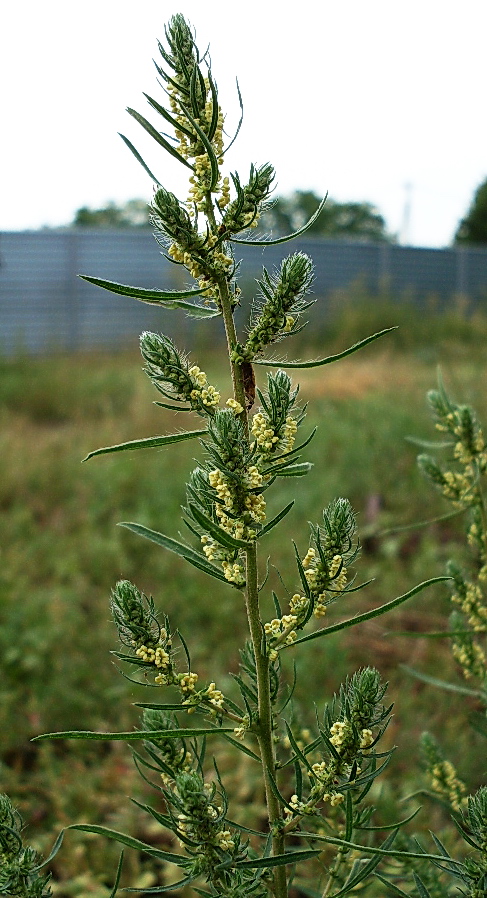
<point x="264" y="726"/>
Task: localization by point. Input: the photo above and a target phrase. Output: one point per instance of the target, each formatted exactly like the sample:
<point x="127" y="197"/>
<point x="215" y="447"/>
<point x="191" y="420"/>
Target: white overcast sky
<point x="381" y="101"/>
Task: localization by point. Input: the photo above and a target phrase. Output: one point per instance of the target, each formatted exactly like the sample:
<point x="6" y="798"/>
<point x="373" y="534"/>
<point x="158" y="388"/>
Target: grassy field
<point x="62" y="552"/>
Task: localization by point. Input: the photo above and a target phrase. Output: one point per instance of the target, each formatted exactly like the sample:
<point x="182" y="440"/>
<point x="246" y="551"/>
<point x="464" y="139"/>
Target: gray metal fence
<point x="44" y="306"/>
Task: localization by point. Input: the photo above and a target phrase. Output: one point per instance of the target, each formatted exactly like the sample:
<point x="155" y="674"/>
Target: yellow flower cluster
<point x="240" y="731"/>
<point x="223" y="840"/>
<point x="235" y="406"/>
<point x="215" y="696"/>
<point x="281" y="630"/>
<point x="339" y="732"/>
<point x="337" y="578"/>
<point x="187" y="682"/>
<point x="471" y="658"/>
<point x="217" y="263"/>
<point x="203" y="391"/>
<point x="158" y="656"/>
<point x="264" y="435"/>
<point x="289" y="433"/>
<point x="300" y="808"/>
<point x="234" y="572"/>
<point x="457" y="487"/>
<point x="446" y="783"/>
<point x="473" y="606"/>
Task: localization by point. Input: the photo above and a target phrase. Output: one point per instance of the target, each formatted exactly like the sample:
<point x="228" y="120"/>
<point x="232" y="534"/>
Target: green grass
<point x="62" y="552"/>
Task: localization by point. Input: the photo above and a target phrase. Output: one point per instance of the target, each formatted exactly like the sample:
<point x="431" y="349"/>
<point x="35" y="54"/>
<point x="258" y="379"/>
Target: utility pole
<point x="406" y="215"/>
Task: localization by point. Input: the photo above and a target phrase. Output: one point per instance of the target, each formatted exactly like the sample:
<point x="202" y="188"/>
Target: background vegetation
<point x="62" y="552"/>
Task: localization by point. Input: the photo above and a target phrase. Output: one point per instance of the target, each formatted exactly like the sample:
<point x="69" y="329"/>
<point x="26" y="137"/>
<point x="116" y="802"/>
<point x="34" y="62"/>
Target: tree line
<point x="352" y="221"/>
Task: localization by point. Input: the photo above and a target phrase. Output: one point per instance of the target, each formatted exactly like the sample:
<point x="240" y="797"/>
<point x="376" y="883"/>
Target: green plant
<point x="318" y="838"/>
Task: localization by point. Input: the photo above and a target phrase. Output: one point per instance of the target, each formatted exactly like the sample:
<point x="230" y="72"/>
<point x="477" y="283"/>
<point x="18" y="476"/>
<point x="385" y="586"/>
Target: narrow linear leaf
<point x="387" y="826"/>
<point x="139" y="158"/>
<point x="148" y="442"/>
<point x="403" y="855"/>
<point x="158" y="137"/>
<point x="135" y="734"/>
<point x="157" y="706"/>
<point x="282" y="363"/>
<point x="279" y="860"/>
<point x="365" y="870"/>
<point x="423" y="891"/>
<point x="178" y="126"/>
<point x="299" y="470"/>
<point x="151" y="296"/>
<point x="368" y="615"/>
<point x="430" y="444"/>
<point x="54" y="850"/>
<point x="274" y="242"/>
<point x="302" y="575"/>
<point x="479" y="722"/>
<point x="392" y="886"/>
<point x="241" y="747"/>
<point x="240" y="120"/>
<point x="192" y="310"/>
<point x="186" y="552"/>
<point x="224" y="538"/>
<point x="273" y="523"/>
<point x="127" y="840"/>
<point x="208" y="147"/>
<point x="162" y="890"/>
<point x="441" y="684"/>
<point x="442" y="517"/>
<point x="117" y="877"/>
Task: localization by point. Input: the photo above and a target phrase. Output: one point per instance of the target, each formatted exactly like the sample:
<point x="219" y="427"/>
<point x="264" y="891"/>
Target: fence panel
<point x="44" y="306"/>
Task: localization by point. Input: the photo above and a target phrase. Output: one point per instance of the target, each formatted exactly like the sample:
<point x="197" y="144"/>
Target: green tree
<point x="473" y="228"/>
<point x="132" y="214"/>
<point x="355" y="221"/>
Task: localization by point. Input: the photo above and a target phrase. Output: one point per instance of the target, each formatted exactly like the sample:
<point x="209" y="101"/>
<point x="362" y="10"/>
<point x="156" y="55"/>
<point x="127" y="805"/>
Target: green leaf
<point x="149" y="442"/>
<point x="193" y="310"/>
<point x="221" y="536"/>
<point x="242" y="747"/>
<point x="195" y="558"/>
<point x="135" y="734"/>
<point x="479" y="722"/>
<point x="273" y="523"/>
<point x="376" y="612"/>
<point x="294" y="470"/>
<point x="117" y="877"/>
<point x="392" y="887"/>
<point x="423" y="891"/>
<point x="54" y="850"/>
<point x="139" y="158"/>
<point x="127" y="840"/>
<point x="430" y="444"/>
<point x="277" y="240"/>
<point x="145" y="890"/>
<point x="157" y="706"/>
<point x="215" y="172"/>
<point x="151" y="296"/>
<point x="158" y="137"/>
<point x="282" y="363"/>
<point x="441" y="684"/>
<point x="167" y="115"/>
<point x="367" y="849"/>
<point x="279" y="860"/>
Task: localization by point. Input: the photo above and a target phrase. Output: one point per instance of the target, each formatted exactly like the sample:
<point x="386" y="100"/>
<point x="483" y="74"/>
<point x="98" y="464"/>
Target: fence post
<point x="71" y="292"/>
<point x="461" y="270"/>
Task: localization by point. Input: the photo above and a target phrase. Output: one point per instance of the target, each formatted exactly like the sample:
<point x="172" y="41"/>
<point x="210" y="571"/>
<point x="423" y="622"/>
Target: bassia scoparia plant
<point x="318" y="836"/>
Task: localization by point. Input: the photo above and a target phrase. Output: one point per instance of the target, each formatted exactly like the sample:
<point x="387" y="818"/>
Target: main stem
<point x="264" y="710"/>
